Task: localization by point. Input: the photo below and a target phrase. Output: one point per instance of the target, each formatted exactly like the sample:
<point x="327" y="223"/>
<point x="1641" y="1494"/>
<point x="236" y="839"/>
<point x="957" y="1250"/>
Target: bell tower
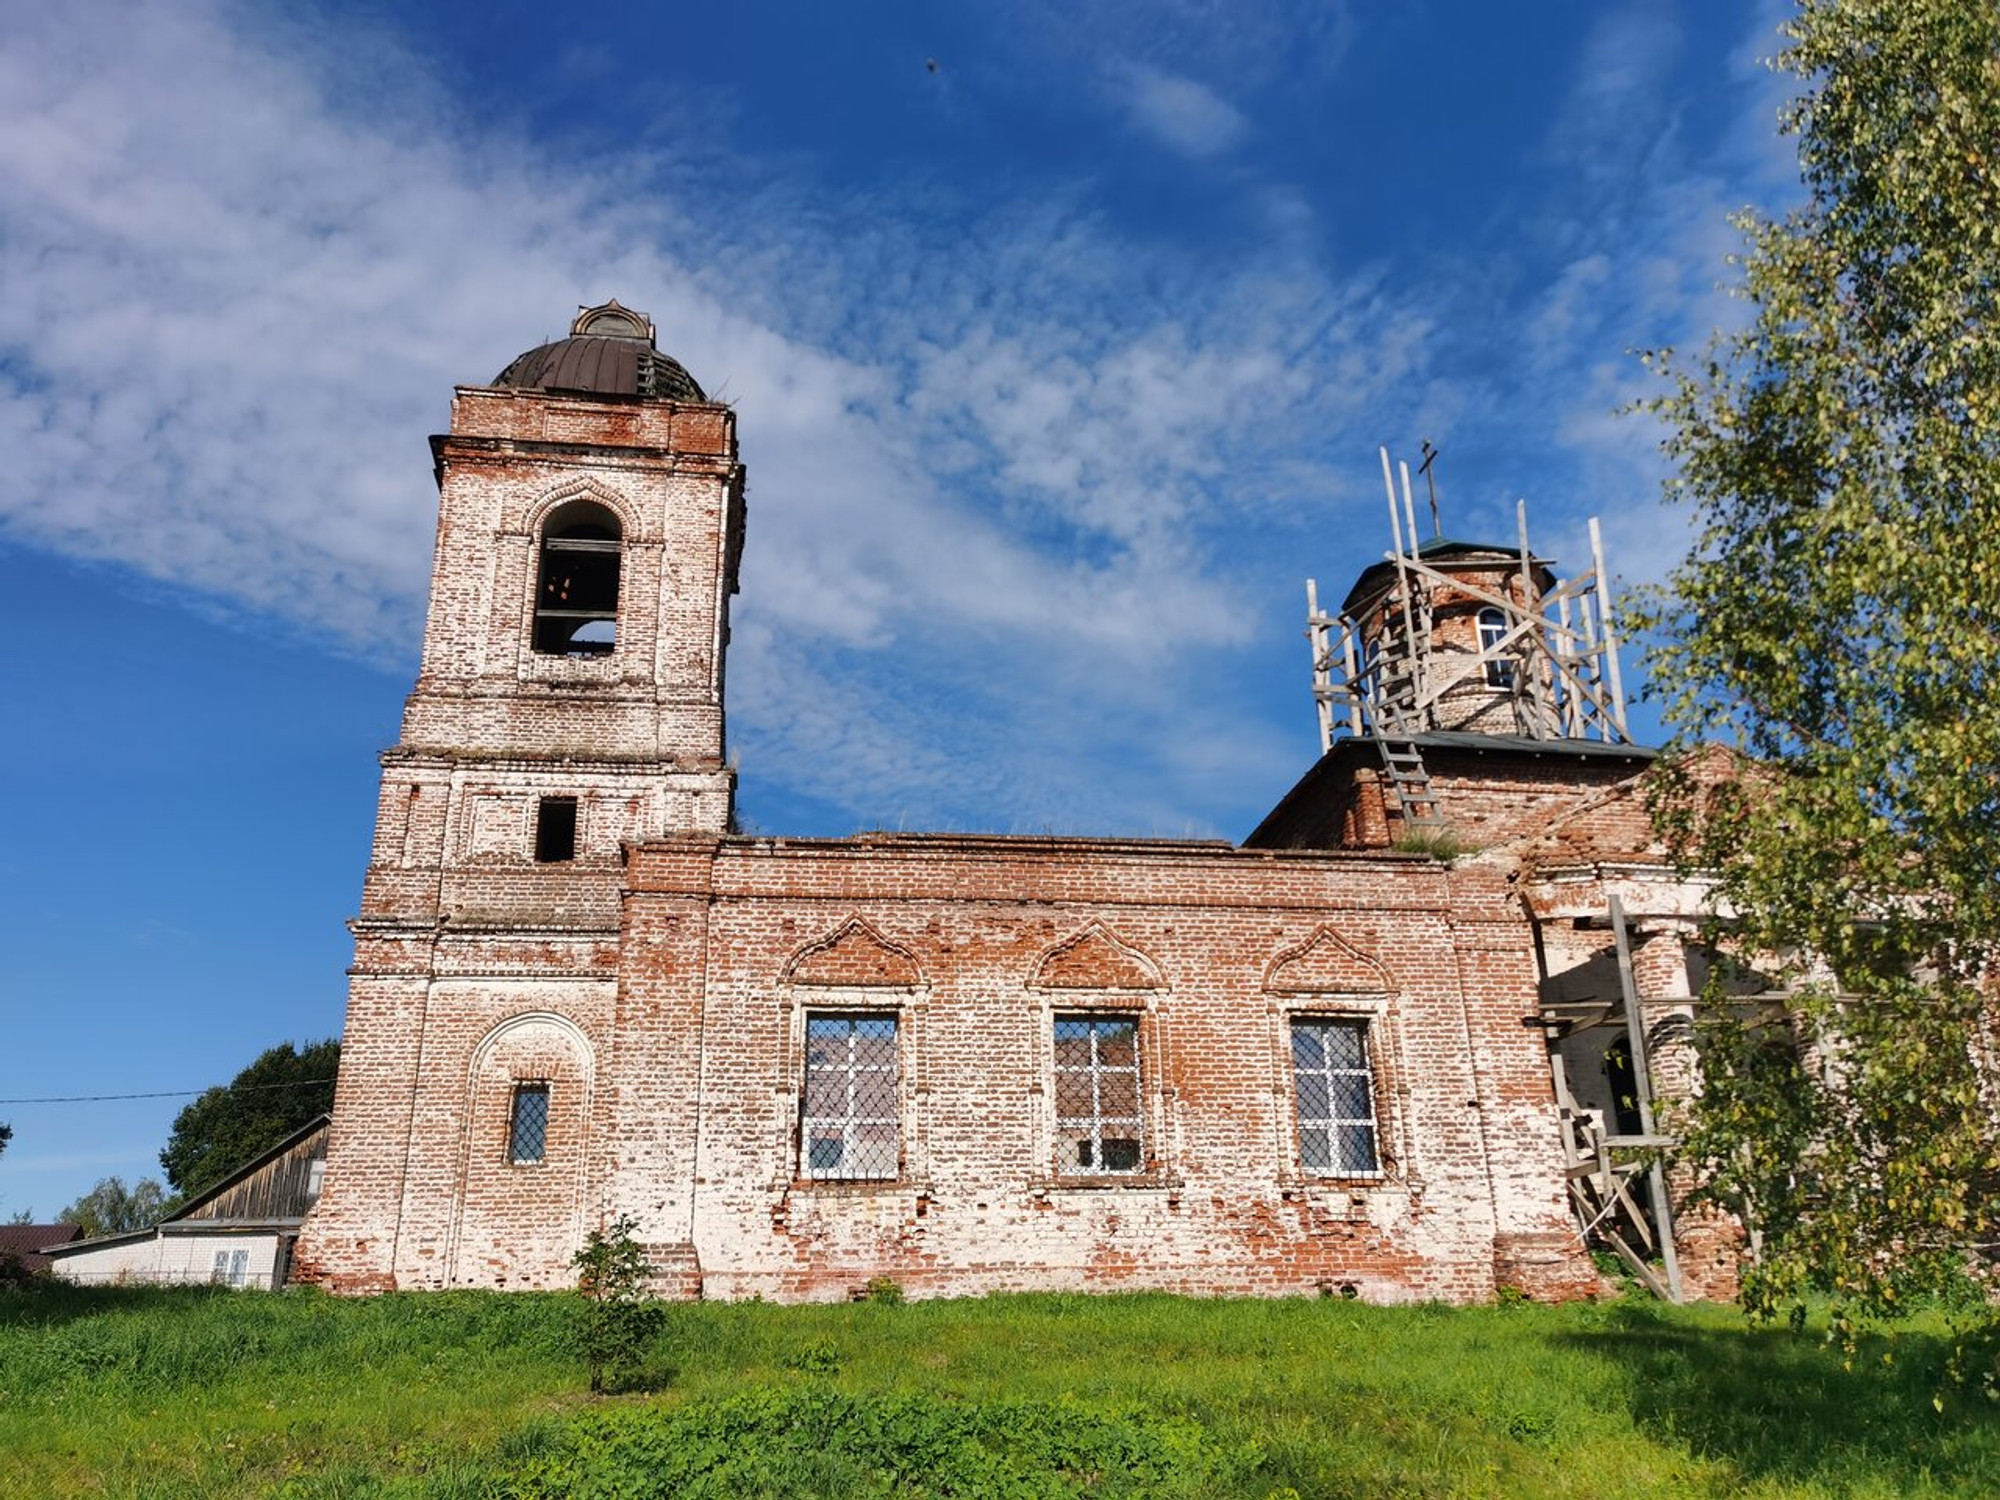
<point x="569" y="702"/>
<point x="590" y="518"/>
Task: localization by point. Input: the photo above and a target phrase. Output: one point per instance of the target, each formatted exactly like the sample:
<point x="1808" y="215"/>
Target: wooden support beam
<point x="1642" y="1086"/>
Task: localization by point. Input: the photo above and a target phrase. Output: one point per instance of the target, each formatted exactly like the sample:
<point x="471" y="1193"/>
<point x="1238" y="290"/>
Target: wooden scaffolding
<point x="1377" y="675"/>
<point x="1617" y="1183"/>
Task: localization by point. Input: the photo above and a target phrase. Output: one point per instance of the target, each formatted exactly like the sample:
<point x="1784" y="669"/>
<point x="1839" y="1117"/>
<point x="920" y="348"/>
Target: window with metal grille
<point x="1099" y="1120"/>
<point x="849" y="1127"/>
<point x="1336" y="1098"/>
<point x="1492" y="631"/>
<point x="528" y="1131"/>
<point x="576" y="587"/>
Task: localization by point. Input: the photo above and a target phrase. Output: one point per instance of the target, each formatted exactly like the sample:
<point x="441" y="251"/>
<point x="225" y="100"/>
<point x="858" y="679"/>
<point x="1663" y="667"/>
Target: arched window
<point x="576" y="588"/>
<point x="1492" y="631"/>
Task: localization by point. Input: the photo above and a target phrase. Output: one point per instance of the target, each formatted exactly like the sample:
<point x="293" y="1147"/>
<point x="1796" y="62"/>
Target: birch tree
<point x="1837" y="622"/>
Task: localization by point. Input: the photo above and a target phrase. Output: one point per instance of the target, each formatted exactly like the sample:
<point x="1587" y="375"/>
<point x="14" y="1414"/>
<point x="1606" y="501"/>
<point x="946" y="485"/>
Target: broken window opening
<point x="576" y="590"/>
<point x="1100" y="1124"/>
<point x="1492" y="631"/>
<point x="849" y="1116"/>
<point x="528" y="1127"/>
<point x="555" y="830"/>
<point x="1335" y="1088"/>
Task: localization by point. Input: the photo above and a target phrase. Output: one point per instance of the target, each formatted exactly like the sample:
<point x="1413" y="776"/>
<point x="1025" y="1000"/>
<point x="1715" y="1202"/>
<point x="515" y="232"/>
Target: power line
<point x="239" y="1088"/>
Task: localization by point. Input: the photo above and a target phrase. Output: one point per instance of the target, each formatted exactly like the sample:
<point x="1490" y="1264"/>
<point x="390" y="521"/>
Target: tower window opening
<point x="555" y="830"/>
<point x="576" y="588"/>
<point x="1492" y="631"/>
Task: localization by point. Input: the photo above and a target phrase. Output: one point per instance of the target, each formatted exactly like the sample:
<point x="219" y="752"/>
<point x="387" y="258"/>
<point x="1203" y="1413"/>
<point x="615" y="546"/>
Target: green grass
<point x="192" y="1392"/>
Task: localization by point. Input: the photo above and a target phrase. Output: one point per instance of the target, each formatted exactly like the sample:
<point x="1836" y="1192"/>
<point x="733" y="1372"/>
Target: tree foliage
<point x="1838" y="621"/>
<point x="285" y="1088"/>
<point x="112" y="1208"/>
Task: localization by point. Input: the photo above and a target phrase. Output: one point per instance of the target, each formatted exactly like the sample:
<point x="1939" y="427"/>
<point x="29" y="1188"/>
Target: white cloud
<point x="1176" y="111"/>
<point x="1615" y="110"/>
<point x="235" y="291"/>
<point x="1243" y="44"/>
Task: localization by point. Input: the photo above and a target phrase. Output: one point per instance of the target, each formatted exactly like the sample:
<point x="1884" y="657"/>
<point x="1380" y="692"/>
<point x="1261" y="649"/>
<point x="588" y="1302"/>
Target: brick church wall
<point x="986" y="941"/>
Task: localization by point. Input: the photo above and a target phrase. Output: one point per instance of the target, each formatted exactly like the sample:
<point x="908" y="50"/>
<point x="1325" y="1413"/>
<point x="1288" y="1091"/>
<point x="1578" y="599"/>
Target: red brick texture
<point x="691" y="1083"/>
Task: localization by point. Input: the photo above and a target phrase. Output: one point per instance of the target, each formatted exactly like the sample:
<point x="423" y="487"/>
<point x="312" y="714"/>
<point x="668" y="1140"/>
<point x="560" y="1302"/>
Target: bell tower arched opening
<point x="576" y="581"/>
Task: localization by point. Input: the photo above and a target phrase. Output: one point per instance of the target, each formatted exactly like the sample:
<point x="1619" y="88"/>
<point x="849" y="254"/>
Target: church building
<point x="1352" y="1056"/>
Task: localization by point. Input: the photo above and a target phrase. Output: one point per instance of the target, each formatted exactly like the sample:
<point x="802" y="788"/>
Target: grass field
<point x="193" y="1392"/>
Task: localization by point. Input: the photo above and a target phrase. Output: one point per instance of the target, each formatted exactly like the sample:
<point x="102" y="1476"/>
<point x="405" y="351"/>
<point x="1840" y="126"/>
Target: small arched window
<point x="576" y="587"/>
<point x="1492" y="631"/>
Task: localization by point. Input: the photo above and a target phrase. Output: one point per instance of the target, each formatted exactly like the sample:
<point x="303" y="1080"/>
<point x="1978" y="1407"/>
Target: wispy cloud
<point x="1177" y="112"/>
<point x="1239" y="44"/>
<point x="1616" y="106"/>
<point x="235" y="292"/>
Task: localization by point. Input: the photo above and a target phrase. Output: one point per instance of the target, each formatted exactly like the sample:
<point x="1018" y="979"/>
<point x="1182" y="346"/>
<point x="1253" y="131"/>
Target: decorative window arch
<point x="576" y="581"/>
<point x="1492" y="631"/>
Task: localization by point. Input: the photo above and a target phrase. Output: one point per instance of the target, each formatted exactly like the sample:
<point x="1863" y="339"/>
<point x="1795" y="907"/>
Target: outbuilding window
<point x="528" y="1129"/>
<point x="849" y="1127"/>
<point x="232" y="1268"/>
<point x="1492" y="631"/>
<point x="576" y="589"/>
<point x="1100" y="1125"/>
<point x="1335" y="1088"/>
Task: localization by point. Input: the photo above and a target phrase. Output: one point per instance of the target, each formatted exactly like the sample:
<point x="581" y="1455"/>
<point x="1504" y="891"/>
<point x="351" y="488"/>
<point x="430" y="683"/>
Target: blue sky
<point x="1062" y="336"/>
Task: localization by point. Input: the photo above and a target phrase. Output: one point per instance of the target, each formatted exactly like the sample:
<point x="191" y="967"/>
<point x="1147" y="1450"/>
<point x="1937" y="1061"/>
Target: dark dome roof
<point x="610" y="352"/>
<point x="1443" y="553"/>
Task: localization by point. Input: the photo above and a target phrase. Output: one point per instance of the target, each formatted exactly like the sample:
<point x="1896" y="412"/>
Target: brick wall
<point x="975" y="946"/>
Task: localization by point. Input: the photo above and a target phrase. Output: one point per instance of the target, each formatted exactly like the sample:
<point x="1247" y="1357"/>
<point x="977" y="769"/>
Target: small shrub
<point x="13" y="1270"/>
<point x="816" y="1357"/>
<point x="885" y="1290"/>
<point x="618" y="1319"/>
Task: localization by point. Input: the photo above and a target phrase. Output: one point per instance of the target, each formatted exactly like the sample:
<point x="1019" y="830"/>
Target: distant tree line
<point x="286" y="1088"/>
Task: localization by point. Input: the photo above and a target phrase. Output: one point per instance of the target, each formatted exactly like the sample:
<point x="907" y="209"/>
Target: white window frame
<point x="1329" y="1075"/>
<point x="852" y="1119"/>
<point x="523" y="1086"/>
<point x="1492" y="624"/>
<point x="1096" y="1071"/>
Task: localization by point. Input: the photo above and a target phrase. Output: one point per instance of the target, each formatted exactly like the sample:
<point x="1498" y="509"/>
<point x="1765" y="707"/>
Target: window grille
<point x="1099" y="1120"/>
<point x="1492" y="631"/>
<point x="849" y="1125"/>
<point x="528" y="1131"/>
<point x="1336" y="1098"/>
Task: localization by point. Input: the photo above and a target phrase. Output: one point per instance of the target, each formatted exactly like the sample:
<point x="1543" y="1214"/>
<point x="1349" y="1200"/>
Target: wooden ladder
<point x="1409" y="782"/>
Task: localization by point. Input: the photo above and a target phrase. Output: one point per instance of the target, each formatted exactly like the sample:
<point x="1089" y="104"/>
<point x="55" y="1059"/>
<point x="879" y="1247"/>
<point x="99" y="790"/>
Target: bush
<point x="618" y="1319"/>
